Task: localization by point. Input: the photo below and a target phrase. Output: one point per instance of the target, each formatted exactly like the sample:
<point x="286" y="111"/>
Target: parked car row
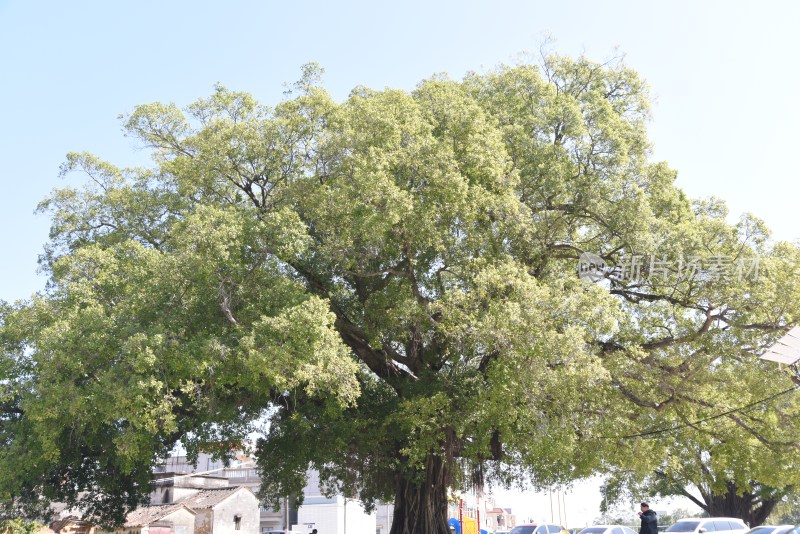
<point x="690" y="525"/>
<point x="724" y="525"/>
<point x="538" y="528"/>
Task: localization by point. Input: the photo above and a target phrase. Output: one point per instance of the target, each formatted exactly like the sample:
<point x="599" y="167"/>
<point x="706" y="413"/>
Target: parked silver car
<point x="771" y="529"/>
<point x="700" y="525"/>
<point x="607" y="529"/>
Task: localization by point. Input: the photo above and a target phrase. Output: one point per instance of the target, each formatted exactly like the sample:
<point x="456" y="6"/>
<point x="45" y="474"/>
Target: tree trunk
<point x="420" y="504"/>
<point x="750" y="508"/>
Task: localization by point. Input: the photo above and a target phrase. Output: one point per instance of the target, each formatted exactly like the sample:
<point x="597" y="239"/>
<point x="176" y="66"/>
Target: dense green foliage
<point x="741" y="466"/>
<point x="391" y="280"/>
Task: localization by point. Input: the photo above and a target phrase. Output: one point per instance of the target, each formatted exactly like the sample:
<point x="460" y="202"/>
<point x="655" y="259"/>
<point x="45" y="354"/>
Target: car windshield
<point x="593" y="530"/>
<point x="683" y="526"/>
<point x="523" y="530"/>
<point x="761" y="530"/>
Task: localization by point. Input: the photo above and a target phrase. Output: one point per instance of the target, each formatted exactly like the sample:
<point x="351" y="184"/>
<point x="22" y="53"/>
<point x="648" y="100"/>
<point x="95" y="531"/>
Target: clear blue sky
<point x="725" y="75"/>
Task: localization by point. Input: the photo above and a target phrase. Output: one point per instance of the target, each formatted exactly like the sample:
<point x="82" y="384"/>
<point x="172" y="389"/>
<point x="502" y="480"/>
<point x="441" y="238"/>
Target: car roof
<point x="708" y="519"/>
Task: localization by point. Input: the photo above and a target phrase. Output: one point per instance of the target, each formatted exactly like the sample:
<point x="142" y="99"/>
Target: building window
<point x="237" y="522"/>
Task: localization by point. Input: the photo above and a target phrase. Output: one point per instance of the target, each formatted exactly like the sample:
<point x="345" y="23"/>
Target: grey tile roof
<point x="150" y="514"/>
<point x="209" y="498"/>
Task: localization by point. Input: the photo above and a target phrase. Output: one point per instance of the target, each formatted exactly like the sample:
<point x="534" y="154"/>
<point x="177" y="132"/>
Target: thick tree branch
<point x="668" y="341"/>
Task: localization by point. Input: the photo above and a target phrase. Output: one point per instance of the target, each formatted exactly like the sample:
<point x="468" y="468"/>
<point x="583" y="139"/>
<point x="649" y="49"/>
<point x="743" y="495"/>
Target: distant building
<point x="330" y="515"/>
<point x="217" y="507"/>
<point x="160" y="519"/>
<point x="224" y="510"/>
<point x="240" y="471"/>
<point x="181" y="503"/>
<point x="482" y="509"/>
<point x="175" y="487"/>
<point x="499" y="519"/>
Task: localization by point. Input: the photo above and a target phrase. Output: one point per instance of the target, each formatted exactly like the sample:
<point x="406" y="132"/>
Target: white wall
<point x="182" y="521"/>
<point x="358" y="521"/>
<point x="384" y="516"/>
<point x="334" y="518"/>
<point x="242" y="503"/>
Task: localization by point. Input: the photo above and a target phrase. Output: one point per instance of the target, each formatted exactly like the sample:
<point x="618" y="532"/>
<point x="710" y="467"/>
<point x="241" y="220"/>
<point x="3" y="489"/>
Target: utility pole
<point x="461" y="514"/>
<point x="558" y="499"/>
<point x="286" y="526"/>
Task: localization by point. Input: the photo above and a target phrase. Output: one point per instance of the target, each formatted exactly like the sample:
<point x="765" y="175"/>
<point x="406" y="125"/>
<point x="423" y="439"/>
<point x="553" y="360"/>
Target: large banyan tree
<point x="388" y="287"/>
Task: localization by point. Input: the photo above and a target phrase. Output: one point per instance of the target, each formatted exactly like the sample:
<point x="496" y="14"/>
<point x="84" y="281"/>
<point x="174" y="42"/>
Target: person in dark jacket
<point x="649" y="520"/>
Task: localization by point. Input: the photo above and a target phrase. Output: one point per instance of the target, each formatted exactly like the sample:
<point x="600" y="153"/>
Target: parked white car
<point x="771" y="529"/>
<point x="700" y="525"/>
<point x="607" y="529"/>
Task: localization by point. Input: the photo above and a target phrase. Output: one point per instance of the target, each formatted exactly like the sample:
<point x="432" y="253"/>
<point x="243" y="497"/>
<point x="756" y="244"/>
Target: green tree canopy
<point x="740" y="464"/>
<point x="392" y="281"/>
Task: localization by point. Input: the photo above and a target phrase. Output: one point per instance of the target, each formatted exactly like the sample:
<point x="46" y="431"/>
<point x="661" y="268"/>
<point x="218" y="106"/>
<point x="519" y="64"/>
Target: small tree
<point x="786" y="512"/>
<point x="19" y="526"/>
